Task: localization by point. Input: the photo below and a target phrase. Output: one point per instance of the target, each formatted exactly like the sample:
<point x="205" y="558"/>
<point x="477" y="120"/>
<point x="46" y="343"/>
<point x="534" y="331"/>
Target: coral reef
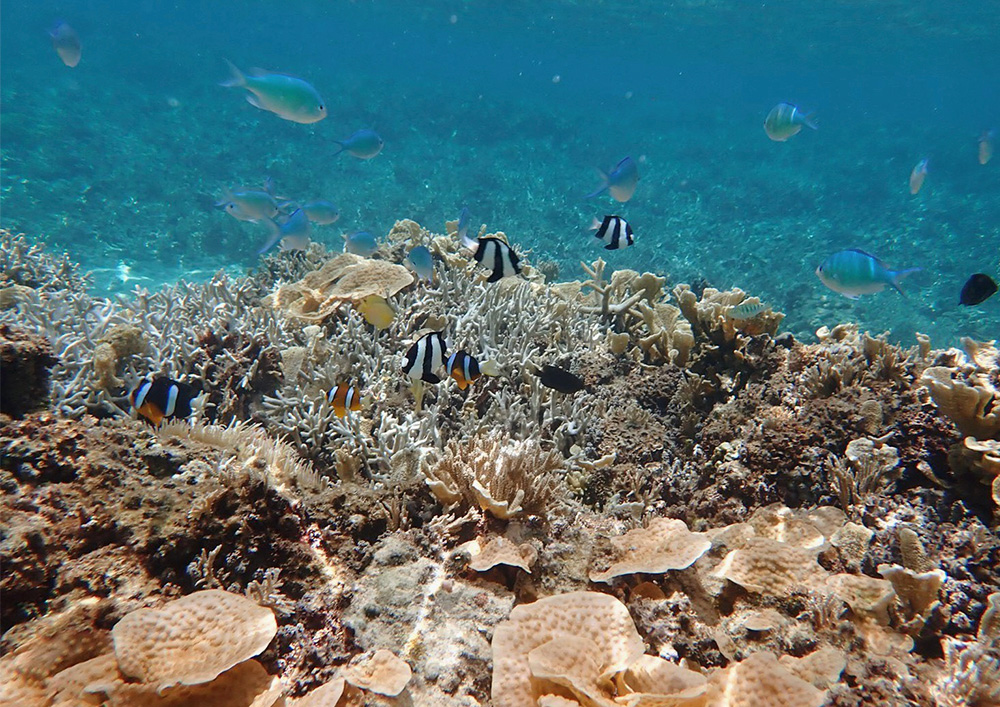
<point x="724" y="515"/>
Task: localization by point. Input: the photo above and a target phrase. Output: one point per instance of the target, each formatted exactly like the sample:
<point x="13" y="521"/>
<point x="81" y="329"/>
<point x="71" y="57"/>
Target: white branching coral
<point x="971" y="677"/>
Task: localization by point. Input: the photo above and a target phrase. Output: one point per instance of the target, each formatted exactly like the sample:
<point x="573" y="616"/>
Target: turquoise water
<point x="507" y="108"/>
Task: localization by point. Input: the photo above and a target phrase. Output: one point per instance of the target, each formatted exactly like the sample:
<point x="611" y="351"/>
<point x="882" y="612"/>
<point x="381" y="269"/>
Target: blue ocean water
<point x="506" y="108"/>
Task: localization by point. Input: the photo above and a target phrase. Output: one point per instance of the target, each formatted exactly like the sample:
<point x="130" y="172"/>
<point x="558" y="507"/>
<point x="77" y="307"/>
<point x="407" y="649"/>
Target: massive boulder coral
<point x="25" y="363"/>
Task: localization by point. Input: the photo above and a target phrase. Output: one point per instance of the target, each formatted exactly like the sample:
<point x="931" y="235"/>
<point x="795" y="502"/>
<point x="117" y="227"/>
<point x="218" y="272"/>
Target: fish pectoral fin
<point x="254" y="101"/>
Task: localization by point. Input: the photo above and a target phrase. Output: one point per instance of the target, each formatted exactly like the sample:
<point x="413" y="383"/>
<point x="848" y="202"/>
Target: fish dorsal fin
<point x="621" y="162"/>
<point x="867" y="255"/>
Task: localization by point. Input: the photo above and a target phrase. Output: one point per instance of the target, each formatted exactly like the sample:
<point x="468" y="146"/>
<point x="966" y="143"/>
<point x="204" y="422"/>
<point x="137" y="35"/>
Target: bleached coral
<point x="971" y="678"/>
<point x="24" y="265"/>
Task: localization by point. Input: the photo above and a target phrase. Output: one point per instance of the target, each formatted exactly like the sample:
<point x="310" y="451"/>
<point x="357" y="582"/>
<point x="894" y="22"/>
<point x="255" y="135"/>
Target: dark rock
<point x="25" y="360"/>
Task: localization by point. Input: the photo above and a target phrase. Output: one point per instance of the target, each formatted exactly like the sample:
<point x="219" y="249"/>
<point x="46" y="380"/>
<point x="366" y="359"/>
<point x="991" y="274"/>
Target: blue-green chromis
<point x="854" y="272"/>
<point x="286" y="96"/>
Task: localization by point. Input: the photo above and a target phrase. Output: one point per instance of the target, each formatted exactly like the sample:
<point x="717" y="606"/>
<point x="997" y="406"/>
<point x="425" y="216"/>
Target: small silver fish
<point x="747" y="310"/>
<point x="250" y="204"/>
<point x="322" y="212"/>
<point x="66" y="42"/>
<point x="360" y="243"/>
<point x="464" y="219"/>
<point x="786" y="120"/>
<point x="854" y="272"/>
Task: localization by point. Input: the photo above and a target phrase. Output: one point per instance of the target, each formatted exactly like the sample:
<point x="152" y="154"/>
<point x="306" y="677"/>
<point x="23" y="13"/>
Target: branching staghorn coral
<point x="518" y="325"/>
<point x="98" y="364"/>
<point x="24" y="265"/>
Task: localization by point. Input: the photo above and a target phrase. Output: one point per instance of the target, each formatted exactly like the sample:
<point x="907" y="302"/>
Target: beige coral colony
<point x="723" y="516"/>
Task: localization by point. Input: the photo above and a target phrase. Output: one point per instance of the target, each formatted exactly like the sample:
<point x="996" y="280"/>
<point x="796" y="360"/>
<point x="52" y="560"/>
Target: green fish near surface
<point x="286" y="96"/>
<point x="854" y="272"/>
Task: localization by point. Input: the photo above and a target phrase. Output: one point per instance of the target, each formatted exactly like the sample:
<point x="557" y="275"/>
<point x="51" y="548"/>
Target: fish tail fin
<point x="595" y="223"/>
<point x="469" y="243"/>
<point x="272" y="238"/>
<point x="809" y="120"/>
<point x="896" y="275"/>
<point x="237" y="78"/>
<point x="341" y="148"/>
<point x="489" y="368"/>
<point x="605" y="183"/>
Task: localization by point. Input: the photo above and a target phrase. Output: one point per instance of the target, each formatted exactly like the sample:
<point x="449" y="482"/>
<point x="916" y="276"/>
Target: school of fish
<point x="852" y="272"/>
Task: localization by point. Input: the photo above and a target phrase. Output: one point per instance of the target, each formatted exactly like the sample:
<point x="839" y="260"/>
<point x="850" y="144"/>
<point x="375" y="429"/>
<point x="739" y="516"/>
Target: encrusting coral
<point x="723" y="515"/>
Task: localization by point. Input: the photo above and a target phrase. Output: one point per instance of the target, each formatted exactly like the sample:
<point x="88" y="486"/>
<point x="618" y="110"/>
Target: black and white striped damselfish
<point x="425" y="357"/>
<point x="494" y="254"/>
<point x="344" y="398"/>
<point x="162" y="399"/>
<point x="614" y="231"/>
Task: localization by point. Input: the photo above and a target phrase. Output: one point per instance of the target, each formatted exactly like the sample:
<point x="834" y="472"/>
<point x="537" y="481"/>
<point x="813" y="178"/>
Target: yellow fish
<point x="377" y="311"/>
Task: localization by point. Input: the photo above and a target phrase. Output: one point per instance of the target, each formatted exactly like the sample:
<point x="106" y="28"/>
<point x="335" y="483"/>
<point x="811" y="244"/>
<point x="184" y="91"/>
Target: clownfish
<point x="162" y="399"/>
<point x="466" y="370"/>
<point x="344" y="398"/>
